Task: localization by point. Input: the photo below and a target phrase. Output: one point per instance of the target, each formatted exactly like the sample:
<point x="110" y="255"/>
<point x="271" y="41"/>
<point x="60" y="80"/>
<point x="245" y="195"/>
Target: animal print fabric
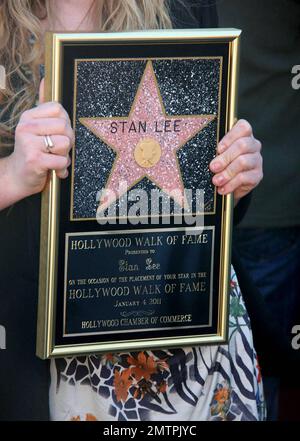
<point x="190" y="383"/>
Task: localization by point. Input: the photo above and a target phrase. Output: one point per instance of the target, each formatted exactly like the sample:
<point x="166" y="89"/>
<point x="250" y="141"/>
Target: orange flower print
<point x="109" y="359"/>
<point x="162" y="387"/>
<point x="221" y="396"/>
<point x="137" y="393"/>
<point x="90" y="417"/>
<point x="142" y="367"/>
<point x="259" y="378"/>
<point x="143" y="388"/>
<point x="162" y="365"/>
<point x="77" y="418"/>
<point x="122" y="383"/>
<point x="221" y="401"/>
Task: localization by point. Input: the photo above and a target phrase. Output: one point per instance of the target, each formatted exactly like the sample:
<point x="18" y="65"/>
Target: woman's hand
<point x="238" y="165"/>
<point x="31" y="161"/>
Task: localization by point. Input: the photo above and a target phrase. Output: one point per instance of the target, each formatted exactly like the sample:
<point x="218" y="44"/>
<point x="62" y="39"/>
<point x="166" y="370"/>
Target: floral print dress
<point x="190" y="383"/>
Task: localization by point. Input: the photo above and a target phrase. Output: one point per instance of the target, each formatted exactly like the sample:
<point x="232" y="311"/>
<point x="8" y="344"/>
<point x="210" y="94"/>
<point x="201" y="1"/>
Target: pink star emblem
<point x="146" y="143"/>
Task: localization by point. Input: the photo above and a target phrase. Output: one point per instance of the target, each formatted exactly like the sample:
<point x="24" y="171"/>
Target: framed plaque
<point x="135" y="243"/>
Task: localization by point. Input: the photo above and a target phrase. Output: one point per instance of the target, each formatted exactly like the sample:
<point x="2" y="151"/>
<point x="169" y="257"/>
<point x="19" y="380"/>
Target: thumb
<point x="42" y="92"/>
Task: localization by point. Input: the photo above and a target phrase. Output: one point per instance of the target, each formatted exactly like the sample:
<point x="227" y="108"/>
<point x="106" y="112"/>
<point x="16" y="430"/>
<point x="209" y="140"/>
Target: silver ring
<point x="49" y="143"/>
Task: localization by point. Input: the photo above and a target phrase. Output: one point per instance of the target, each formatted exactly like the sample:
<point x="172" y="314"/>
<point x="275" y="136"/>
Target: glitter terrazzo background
<point x="108" y="88"/>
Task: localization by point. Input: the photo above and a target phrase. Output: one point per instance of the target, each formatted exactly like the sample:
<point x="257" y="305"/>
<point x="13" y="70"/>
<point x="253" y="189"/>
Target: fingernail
<point x="219" y="180"/>
<point x="221" y="190"/>
<point x="221" y="148"/>
<point x="216" y="166"/>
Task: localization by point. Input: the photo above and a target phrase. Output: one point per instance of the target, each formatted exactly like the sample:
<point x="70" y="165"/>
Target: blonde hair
<point x="21" y="47"/>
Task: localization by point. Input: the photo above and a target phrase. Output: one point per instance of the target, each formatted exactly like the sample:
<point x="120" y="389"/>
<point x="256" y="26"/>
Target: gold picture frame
<point x="51" y="341"/>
